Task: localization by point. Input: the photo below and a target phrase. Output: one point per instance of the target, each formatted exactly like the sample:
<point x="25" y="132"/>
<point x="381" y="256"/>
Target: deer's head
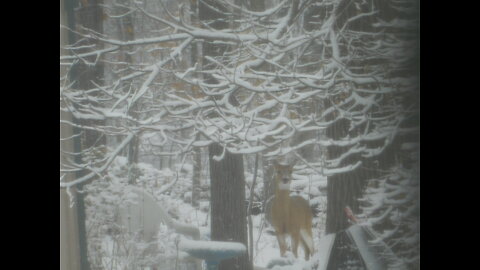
<point x="283" y="175"/>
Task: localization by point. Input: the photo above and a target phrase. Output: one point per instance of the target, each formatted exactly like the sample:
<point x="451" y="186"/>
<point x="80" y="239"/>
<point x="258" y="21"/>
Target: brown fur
<point x="290" y="214"/>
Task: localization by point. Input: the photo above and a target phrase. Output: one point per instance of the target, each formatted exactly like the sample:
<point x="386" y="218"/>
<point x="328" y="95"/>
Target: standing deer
<point x="290" y="215"/>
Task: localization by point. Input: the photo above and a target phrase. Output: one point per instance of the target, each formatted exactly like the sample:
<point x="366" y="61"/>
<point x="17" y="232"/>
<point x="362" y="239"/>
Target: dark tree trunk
<point x="197" y="172"/>
<point x="88" y="15"/>
<point x="127" y="32"/>
<point x="343" y="189"/>
<point x="69" y="249"/>
<point x="227" y="193"/>
<point x="196" y="57"/>
<point x="227" y="187"/>
<point x="132" y="160"/>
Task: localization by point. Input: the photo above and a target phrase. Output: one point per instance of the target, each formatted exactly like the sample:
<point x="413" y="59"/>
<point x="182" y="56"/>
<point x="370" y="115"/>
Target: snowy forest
<point x="175" y="116"/>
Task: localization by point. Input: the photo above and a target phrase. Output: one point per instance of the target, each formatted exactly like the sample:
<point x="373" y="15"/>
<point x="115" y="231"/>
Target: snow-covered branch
<point x="273" y="81"/>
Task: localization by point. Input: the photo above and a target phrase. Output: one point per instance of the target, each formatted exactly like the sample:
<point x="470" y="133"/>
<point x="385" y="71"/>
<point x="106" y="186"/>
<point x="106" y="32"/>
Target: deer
<point x="290" y="215"/>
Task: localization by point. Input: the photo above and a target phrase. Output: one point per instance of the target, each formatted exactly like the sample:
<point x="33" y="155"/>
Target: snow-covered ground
<point x="171" y="192"/>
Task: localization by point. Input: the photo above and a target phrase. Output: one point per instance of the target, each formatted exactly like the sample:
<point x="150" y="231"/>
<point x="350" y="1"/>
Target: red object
<point x="350" y="214"/>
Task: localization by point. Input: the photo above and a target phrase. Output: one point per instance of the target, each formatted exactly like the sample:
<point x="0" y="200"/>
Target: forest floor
<point x="176" y="201"/>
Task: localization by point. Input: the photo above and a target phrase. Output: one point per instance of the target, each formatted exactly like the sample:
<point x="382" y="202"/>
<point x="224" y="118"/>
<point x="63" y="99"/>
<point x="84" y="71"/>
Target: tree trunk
<point x="88" y="15"/>
<point x="227" y="188"/>
<point x="268" y="187"/>
<point x="69" y="248"/>
<point x="227" y="193"/>
<point x="196" y="57"/>
<point x="132" y="160"/>
<point x="343" y="189"/>
<point x="197" y="172"/>
<point x="127" y="33"/>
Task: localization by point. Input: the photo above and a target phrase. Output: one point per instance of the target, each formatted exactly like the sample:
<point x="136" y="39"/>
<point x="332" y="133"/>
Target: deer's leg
<point x="306" y="249"/>
<point x="295" y="240"/>
<point x="282" y="243"/>
<point x="307" y="242"/>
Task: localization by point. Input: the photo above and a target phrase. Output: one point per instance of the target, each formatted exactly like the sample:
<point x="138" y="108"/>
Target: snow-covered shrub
<point x="391" y="207"/>
<point x="125" y="229"/>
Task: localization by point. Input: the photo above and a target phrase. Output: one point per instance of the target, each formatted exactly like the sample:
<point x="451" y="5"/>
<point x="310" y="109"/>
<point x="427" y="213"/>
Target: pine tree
<point x="391" y="206"/>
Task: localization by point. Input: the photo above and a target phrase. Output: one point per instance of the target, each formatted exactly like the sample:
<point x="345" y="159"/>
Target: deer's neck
<point x="282" y="197"/>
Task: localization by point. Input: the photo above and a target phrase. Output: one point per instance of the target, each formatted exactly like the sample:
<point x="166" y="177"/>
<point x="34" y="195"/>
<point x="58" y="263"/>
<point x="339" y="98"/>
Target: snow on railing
<point x="213" y="252"/>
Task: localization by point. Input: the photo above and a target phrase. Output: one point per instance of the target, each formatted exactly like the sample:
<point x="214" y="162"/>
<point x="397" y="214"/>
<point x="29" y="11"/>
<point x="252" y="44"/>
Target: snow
<point x="161" y="207"/>
<point x="410" y="146"/>
<point x="368" y="256"/>
<point x="133" y="215"/>
<point x="174" y="219"/>
<point x="112" y="157"/>
<point x="325" y="245"/>
<point x="211" y="246"/>
<point x="375" y="253"/>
